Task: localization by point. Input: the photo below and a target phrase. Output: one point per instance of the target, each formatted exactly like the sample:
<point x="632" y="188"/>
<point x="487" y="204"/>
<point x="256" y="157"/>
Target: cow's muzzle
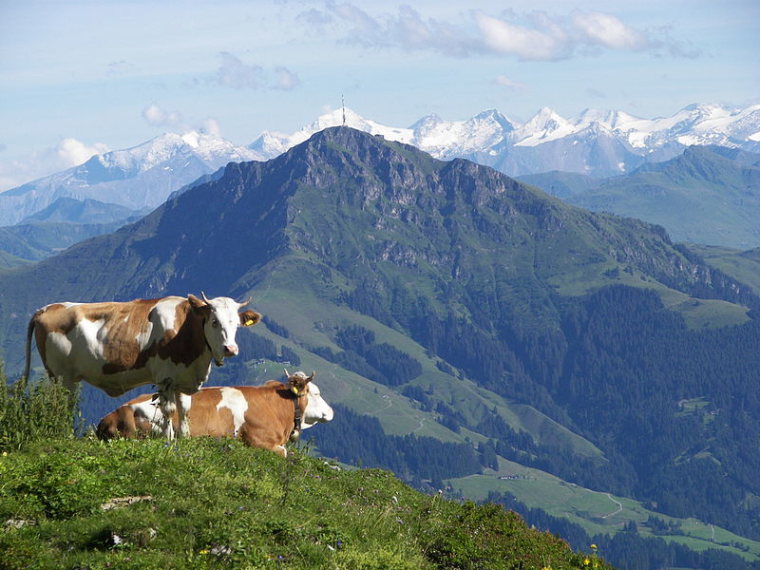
<point x="231" y="350"/>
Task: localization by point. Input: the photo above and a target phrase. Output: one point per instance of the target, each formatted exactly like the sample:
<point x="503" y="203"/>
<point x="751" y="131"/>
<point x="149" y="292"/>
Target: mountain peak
<point x="426" y="125"/>
<point x="544" y="126"/>
<point x="495" y="116"/>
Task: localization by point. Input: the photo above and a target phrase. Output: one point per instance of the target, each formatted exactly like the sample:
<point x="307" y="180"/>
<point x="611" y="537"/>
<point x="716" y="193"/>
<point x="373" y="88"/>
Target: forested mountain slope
<point x="707" y="195"/>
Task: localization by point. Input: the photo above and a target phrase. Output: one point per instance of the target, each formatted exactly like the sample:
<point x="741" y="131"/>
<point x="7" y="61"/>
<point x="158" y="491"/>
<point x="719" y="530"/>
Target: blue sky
<point x="85" y="76"/>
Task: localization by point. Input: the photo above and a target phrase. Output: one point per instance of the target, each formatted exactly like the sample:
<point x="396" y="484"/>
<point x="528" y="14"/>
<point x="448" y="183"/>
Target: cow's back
<point x="214" y="411"/>
<point x="258" y="414"/>
<point x="107" y="344"/>
<point x="270" y="417"/>
<point x="217" y="411"/>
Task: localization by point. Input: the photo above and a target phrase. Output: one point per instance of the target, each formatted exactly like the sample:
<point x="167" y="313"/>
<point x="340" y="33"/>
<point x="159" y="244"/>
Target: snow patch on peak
<point x="356" y="121"/>
<point x="544" y="126"/>
<point x="426" y="123"/>
<point x="193" y="138"/>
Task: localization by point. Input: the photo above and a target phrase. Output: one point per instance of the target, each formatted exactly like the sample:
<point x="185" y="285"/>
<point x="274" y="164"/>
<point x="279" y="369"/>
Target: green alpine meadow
<point x="76" y="502"/>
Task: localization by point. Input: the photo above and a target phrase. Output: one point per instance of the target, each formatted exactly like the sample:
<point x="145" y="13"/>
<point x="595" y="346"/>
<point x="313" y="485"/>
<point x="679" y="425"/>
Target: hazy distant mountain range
<point x="597" y="144"/>
<point x="707" y="194"/>
<point x="136" y="178"/>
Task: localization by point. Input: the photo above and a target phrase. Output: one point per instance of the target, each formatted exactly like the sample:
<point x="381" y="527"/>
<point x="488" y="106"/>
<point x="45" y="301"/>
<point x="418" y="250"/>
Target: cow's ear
<point x="249" y="318"/>
<point x="297" y="384"/>
<point x="195" y="302"/>
<point x="199" y="307"/>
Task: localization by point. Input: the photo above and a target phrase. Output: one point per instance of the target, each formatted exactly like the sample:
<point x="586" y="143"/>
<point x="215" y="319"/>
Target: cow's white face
<point x="317" y="410"/>
<point x="221" y="327"/>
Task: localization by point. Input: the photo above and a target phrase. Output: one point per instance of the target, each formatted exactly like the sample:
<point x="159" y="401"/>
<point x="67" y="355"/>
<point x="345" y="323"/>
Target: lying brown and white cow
<point x="169" y="342"/>
<point x="264" y="416"/>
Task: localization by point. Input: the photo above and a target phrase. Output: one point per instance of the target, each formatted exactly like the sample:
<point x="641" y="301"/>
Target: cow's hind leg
<point x="168" y="405"/>
<point x="70" y="384"/>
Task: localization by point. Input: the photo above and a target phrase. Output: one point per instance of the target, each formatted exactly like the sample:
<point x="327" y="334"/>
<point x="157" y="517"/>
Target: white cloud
<point x="238" y="75"/>
<point x="67" y="153"/>
<point x="285" y="79"/>
<point x="406" y="29"/>
<point x="158" y="117"/>
<point x="507" y="83"/>
<point x="608" y="31"/>
<point x="363" y="23"/>
<point x="531" y="36"/>
<point x="504" y="37"/>
<point x="72" y="152"/>
<point x="211" y="127"/>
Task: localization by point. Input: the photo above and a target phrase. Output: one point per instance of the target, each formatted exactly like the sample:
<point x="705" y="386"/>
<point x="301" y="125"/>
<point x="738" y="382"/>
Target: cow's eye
<point x="215" y="323"/>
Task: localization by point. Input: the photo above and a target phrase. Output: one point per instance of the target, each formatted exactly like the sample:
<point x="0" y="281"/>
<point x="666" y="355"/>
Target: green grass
<point x="9" y="261"/>
<point x="742" y="266"/>
<point x="77" y="502"/>
<point x="697" y="313"/>
<point x="597" y="512"/>
<point x="208" y="503"/>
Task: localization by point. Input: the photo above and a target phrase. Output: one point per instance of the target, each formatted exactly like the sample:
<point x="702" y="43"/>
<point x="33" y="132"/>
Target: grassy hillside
<point x="37" y="240"/>
<point x="69" y="502"/>
<point x="8" y="261"/>
<point x="598" y="512"/>
<point x="743" y="266"/>
<point x="207" y="503"/>
<point x="708" y="195"/>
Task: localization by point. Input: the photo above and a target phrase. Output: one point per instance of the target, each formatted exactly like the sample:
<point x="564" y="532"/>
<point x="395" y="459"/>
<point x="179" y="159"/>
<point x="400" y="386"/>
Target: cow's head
<point x="221" y="318"/>
<point x="316" y="409"/>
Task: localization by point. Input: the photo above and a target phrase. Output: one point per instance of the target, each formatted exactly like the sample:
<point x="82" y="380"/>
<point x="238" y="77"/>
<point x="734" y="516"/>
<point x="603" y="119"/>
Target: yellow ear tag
<point x="294" y="389"/>
<point x="249" y="322"/>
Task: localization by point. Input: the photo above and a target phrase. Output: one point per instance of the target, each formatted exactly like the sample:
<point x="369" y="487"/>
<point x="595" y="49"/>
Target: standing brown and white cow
<point x="169" y="342"/>
<point x="262" y="416"/>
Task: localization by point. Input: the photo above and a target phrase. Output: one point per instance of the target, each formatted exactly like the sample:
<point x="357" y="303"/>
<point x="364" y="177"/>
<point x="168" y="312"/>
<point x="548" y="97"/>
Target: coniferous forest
<point x="697" y="395"/>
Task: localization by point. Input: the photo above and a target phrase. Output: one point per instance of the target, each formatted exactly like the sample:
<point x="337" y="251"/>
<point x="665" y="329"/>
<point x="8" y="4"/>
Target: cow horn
<point x="310" y="378"/>
<point x="246" y="302"/>
<point x="203" y="296"/>
<point x="287" y="374"/>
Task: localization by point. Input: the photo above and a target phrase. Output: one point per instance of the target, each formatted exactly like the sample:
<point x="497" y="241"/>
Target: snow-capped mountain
<point x="598" y="143"/>
<point x="272" y="143"/>
<point x="137" y="178"/>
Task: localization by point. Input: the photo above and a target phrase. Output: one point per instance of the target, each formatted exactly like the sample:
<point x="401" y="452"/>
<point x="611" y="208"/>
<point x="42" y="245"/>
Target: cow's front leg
<point x="167" y="397"/>
<point x="184" y="424"/>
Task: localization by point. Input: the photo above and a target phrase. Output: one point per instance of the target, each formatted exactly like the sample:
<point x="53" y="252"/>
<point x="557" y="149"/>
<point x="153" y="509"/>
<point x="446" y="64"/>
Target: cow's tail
<point x="28" y="351"/>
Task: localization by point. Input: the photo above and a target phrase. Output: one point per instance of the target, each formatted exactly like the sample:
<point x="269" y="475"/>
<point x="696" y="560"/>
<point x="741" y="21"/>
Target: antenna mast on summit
<point x="343" y="105"/>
